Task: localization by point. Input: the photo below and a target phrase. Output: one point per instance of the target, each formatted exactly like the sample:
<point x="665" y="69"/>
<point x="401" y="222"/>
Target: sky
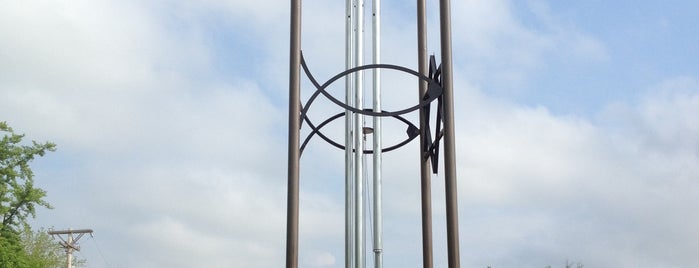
<point x="577" y="130"/>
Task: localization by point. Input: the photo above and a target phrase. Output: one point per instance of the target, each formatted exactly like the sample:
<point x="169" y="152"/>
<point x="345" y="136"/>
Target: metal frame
<point x="436" y="83"/>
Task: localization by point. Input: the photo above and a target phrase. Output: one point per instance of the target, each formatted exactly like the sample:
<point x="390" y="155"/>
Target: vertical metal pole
<point x="292" y="212"/>
<point x="69" y="251"/>
<point x="377" y="164"/>
<point x="425" y="171"/>
<point x="349" y="139"/>
<point x="449" y="141"/>
<point x="358" y="138"/>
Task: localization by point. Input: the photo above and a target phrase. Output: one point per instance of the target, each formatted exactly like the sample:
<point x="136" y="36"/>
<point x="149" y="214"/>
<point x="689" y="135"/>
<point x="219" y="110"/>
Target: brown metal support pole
<point x="449" y="141"/>
<point x="292" y="212"/>
<point x="425" y="175"/>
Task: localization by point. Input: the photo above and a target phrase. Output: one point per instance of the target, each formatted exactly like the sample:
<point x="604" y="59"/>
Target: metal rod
<point x="425" y="171"/>
<point x="292" y="212"/>
<point x="377" y="163"/>
<point x="449" y="141"/>
<point x="358" y="139"/>
<point x="349" y="139"/>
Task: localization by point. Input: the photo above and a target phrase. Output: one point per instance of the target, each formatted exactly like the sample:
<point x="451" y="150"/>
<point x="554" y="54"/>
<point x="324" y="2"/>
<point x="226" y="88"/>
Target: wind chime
<point x="434" y="87"/>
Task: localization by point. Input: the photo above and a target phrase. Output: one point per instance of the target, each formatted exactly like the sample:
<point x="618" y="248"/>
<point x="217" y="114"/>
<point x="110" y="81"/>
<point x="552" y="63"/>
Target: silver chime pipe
<point x="358" y="137"/>
<point x="377" y="159"/>
<point x="349" y="138"/>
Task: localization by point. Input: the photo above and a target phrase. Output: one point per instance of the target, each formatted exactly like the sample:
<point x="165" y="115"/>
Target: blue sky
<point x="644" y="42"/>
<point x="577" y="130"/>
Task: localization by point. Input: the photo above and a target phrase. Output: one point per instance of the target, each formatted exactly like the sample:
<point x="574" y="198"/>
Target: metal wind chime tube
<point x="378" y="218"/>
<point x="358" y="137"/>
<point x="355" y="245"/>
<point x="377" y="163"/>
<point x="349" y="136"/>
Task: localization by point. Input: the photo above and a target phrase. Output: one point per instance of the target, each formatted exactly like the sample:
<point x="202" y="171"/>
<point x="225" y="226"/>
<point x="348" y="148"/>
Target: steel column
<point x="425" y="171"/>
<point x="449" y="140"/>
<point x="292" y="211"/>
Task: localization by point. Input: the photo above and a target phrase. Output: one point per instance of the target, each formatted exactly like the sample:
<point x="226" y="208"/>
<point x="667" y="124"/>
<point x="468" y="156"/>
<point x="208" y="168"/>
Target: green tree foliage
<point x="11" y="252"/>
<point x="41" y="249"/>
<point x="18" y="196"/>
<point x="29" y="249"/>
<point x="20" y="247"/>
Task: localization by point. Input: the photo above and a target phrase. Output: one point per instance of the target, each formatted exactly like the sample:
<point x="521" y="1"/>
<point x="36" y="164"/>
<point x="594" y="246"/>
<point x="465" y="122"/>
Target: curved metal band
<point x="411" y="131"/>
<point x="434" y="89"/>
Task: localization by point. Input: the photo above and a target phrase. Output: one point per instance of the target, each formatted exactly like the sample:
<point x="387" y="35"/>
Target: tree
<point x="18" y="196"/>
<point x="41" y="249"/>
<point x="19" y="246"/>
<point x="29" y="249"/>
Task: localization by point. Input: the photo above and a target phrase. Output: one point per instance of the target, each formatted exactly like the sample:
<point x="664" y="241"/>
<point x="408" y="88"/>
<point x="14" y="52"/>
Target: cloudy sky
<point x="577" y="130"/>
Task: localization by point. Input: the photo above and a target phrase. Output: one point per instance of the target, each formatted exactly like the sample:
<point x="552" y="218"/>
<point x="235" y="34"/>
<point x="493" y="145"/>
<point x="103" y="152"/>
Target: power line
<point x="100" y="252"/>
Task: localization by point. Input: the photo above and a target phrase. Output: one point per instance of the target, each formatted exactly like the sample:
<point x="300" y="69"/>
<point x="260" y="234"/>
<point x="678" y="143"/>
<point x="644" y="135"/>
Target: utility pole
<point x="70" y="243"/>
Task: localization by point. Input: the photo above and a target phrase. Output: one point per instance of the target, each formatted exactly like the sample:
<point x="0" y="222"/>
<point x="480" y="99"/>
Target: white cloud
<point x="541" y="186"/>
<point x="175" y="165"/>
<point x="494" y="47"/>
<point x="320" y="259"/>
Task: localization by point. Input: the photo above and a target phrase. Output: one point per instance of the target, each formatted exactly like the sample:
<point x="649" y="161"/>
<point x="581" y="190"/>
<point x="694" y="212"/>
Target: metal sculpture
<point x="435" y="85"/>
